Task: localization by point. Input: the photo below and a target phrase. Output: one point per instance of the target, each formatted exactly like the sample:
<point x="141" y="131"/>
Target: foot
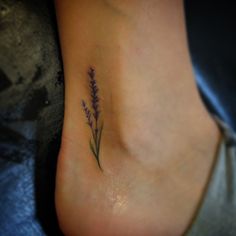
<point x="136" y="154"/>
<point x="131" y="186"/>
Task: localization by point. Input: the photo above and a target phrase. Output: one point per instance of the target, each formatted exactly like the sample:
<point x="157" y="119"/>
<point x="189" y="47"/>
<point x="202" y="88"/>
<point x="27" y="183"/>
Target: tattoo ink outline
<point x="93" y="115"/>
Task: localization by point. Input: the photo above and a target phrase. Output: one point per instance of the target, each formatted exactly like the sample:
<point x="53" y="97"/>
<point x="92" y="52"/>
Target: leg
<point x="157" y="133"/>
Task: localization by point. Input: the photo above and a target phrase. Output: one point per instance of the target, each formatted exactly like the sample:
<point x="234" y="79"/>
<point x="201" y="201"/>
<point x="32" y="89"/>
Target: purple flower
<point x="91" y="72"/>
<point x="95" y="125"/>
<point x="87" y="113"/>
<point x="94" y="93"/>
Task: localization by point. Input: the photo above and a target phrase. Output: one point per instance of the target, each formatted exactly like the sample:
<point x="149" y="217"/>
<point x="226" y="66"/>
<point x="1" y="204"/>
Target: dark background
<point x="212" y="36"/>
<point x="31" y="100"/>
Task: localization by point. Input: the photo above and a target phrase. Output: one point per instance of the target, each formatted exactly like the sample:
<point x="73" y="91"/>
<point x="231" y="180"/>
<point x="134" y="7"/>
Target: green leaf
<point x="99" y="138"/>
<point x="92" y="149"/>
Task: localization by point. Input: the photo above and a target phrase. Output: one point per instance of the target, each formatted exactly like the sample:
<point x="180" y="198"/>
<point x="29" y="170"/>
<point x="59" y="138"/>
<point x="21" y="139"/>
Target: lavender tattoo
<point x="92" y="116"/>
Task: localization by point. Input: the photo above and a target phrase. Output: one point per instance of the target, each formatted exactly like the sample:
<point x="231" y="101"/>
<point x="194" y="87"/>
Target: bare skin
<point x="158" y="143"/>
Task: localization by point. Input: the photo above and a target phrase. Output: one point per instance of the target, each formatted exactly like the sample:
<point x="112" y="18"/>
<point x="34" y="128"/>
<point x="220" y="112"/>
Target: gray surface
<point x="31" y="113"/>
<point x="217" y="214"/>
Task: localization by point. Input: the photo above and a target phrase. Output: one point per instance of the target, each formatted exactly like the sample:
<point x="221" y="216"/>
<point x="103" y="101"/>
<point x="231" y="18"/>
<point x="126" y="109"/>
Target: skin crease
<point x="158" y="143"/>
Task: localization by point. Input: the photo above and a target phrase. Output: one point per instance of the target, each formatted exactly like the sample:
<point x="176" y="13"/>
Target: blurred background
<point x="31" y="100"/>
<point x="211" y="31"/>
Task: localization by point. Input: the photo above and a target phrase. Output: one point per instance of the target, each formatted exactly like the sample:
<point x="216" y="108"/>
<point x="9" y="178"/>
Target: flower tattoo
<point x="93" y="115"/>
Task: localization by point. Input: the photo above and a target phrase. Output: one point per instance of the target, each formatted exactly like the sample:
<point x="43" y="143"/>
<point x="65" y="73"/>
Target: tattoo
<point x="93" y="115"/>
